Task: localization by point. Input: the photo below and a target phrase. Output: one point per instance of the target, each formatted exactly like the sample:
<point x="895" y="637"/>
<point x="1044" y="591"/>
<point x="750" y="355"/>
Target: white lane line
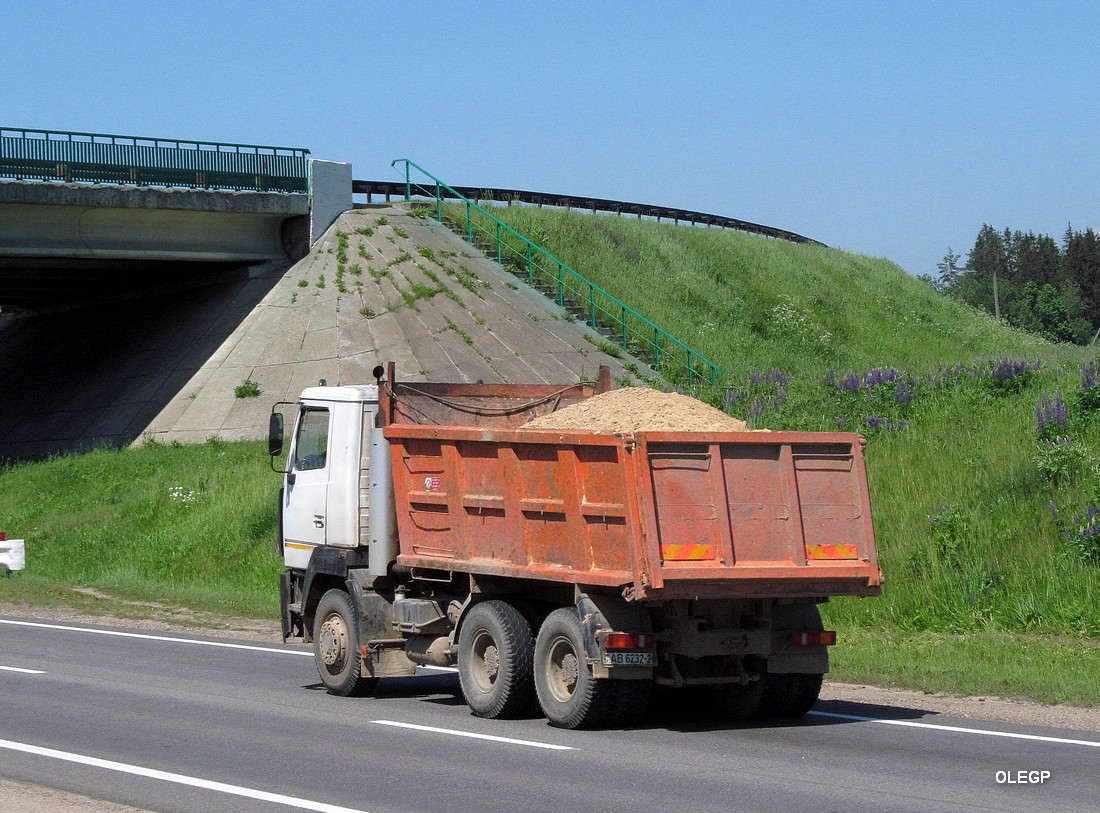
<point x="22" y="671"/>
<point x="440" y="668"/>
<point x="507" y="740"/>
<point x="178" y="779"/>
<point x="118" y="634"/>
<point x="957" y="729"/>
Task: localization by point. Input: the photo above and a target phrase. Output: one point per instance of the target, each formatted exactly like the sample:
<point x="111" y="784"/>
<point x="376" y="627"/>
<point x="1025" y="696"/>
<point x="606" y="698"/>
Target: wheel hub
<point x="492" y="662"/>
<point x="333" y="641"/>
<point x="570" y="671"/>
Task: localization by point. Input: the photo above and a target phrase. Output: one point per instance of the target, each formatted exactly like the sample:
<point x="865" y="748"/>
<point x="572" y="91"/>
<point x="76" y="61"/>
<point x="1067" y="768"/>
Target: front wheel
<point x="336" y="647"/>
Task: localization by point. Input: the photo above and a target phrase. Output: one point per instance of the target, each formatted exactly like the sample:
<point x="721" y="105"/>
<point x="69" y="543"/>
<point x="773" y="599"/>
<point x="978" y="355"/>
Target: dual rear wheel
<point x="503" y="667"/>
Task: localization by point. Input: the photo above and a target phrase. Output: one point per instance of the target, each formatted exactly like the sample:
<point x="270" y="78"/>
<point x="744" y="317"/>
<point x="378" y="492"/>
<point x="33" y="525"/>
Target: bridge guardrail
<point x="54" y="155"/>
<point x="619" y="207"/>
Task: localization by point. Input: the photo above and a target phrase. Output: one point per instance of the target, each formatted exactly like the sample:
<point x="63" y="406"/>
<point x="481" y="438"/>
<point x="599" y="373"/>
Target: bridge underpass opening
<point x="85" y="365"/>
<point x="33" y="285"/>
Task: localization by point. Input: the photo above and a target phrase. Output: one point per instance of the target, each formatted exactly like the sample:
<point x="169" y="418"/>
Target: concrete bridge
<point x="84" y="217"/>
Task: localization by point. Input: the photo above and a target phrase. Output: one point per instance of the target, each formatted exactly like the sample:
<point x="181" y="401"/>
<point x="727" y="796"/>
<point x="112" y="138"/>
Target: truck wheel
<point x="569" y="695"/>
<point x="736" y="701"/>
<point x="495" y="658"/>
<point x="336" y="647"/>
<point x="790" y="695"/>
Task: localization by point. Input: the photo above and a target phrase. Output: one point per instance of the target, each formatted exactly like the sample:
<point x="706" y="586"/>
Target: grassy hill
<point x="972" y="502"/>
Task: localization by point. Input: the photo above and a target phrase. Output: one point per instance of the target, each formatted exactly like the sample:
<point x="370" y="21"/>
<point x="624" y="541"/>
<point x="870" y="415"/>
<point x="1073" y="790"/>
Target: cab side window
<point x="311" y="445"/>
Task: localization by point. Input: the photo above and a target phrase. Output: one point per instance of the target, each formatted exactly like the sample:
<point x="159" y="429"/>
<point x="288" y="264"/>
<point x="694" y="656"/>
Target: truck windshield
<point x="311" y="444"/>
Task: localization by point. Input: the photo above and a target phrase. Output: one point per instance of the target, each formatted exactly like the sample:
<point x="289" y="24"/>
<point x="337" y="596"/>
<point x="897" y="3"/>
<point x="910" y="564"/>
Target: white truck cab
<point x="327" y="487"/>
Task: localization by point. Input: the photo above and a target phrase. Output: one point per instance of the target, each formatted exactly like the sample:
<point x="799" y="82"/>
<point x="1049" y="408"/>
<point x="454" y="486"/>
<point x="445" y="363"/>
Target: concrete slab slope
<point x="401" y="289"/>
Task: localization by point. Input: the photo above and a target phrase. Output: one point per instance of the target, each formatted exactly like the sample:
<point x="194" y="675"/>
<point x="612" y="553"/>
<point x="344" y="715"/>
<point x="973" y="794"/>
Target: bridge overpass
<point x="86" y="217"/>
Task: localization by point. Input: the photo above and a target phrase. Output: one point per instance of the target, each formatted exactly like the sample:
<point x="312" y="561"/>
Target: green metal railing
<point x="601" y="311"/>
<point x="52" y="155"/>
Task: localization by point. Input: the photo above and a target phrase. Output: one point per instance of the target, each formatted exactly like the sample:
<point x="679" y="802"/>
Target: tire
<point x="495" y="660"/>
<point x="787" y="696"/>
<point x="569" y="695"/>
<point x="336" y="647"/>
<point x="737" y="701"/>
<point x="629" y="700"/>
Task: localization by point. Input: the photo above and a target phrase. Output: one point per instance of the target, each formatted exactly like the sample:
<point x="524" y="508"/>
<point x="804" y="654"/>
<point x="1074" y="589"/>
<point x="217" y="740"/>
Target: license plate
<point x="628" y="659"/>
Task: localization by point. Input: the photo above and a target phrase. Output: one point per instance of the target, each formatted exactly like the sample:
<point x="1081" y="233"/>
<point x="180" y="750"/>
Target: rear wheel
<point x="336" y="647"/>
<point x="569" y="695"/>
<point x="790" y="695"/>
<point x="737" y="701"/>
<point x="495" y="658"/>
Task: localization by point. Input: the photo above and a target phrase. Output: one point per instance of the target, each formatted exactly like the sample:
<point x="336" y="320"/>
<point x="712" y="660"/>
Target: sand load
<point x="640" y="409"/>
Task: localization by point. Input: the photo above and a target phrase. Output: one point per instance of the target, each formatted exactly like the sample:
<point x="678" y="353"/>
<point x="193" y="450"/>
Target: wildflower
<point x="901" y="394"/>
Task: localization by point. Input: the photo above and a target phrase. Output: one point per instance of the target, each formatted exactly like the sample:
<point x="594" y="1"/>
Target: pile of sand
<point x="640" y="409"/>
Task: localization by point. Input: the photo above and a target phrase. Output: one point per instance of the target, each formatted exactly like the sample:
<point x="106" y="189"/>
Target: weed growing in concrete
<point x="320" y="281"/>
<point x="366" y="255"/>
<point x="367" y="313"/>
<point x="356" y="269"/>
<point x="400" y="258"/>
<point x="366" y="231"/>
<point x="302" y="283"/>
<point x="381" y="220"/>
<point x="428" y="254"/>
<point x="247" y="389"/>
<point x="512" y="286"/>
<point x="400" y="232"/>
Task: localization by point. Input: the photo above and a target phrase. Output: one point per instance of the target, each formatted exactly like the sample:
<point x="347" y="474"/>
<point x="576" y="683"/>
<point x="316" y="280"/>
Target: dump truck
<point x="572" y="570"/>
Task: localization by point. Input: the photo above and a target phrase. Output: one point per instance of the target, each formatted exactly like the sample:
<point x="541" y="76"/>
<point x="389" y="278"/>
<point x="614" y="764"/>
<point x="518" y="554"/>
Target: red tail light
<point x="625" y="640"/>
<point x="820" y="638"/>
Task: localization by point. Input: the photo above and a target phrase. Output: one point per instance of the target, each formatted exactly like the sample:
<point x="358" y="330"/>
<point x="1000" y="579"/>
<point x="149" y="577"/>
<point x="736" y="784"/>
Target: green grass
<point x="193" y="525"/>
<point x="987" y="662"/>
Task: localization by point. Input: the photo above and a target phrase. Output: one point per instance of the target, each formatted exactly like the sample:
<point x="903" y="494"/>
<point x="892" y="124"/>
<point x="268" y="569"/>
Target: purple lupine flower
<point x="1088" y="376"/>
<point x="1053" y="509"/>
<point x="759" y="407"/>
<point x="850" y="383"/>
<point x="1059" y="410"/>
<point x="902" y="395"/>
<point x="1040" y="417"/>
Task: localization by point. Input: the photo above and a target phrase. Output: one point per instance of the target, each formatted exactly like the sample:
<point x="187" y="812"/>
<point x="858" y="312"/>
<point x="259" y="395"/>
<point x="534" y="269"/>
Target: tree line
<point x="1030" y="281"/>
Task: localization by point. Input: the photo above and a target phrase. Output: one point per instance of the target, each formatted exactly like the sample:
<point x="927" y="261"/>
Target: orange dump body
<point x="660" y="515"/>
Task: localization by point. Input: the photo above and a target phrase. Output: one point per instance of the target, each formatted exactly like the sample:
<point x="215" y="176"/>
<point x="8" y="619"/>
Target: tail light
<point x="819" y="638"/>
<point x="626" y="640"/>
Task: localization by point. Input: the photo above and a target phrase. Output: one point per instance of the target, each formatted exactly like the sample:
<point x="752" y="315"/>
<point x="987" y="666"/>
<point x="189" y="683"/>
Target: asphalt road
<point x="181" y="724"/>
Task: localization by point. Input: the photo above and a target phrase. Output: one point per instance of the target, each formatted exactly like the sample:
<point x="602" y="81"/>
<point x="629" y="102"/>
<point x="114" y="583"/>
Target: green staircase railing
<point x="599" y="309"/>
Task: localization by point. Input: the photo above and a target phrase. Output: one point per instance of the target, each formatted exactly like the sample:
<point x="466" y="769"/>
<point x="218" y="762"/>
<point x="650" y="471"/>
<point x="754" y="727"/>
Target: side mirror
<point x="275" y="434"/>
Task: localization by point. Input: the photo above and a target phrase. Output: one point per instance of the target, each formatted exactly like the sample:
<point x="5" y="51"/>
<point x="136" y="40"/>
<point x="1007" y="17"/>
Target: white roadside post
<point x="12" y="554"/>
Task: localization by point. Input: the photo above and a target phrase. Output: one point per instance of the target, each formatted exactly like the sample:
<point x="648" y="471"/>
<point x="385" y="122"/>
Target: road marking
<point x="508" y="740"/>
<point x="450" y="669"/>
<point x="957" y="729"/>
<point x="23" y="671"/>
<point x="118" y="634"/>
<point x="176" y="778"/>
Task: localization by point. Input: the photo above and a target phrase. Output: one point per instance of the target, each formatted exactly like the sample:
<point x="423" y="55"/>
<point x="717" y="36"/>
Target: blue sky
<point x="890" y="129"/>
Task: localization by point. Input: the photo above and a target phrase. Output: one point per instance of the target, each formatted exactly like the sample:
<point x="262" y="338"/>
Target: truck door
<point x="305" y="507"/>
